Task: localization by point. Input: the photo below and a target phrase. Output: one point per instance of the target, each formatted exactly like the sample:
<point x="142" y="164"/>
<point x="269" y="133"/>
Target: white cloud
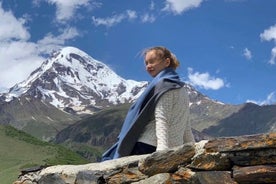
<point x="50" y="42"/>
<point x="19" y="56"/>
<point x="175" y="6"/>
<point x="270" y="99"/>
<point x="3" y="90"/>
<point x="270" y="35"/>
<point x="109" y="21"/>
<point x="18" y="59"/>
<point x="152" y="5"/>
<point x="180" y="6"/>
<point x="66" y="8"/>
<point x="247" y="54"/>
<point x="11" y="27"/>
<point x="147" y="18"/>
<point x="131" y="14"/>
<point x="204" y="80"/>
<point x="115" y="19"/>
<point x="273" y="56"/>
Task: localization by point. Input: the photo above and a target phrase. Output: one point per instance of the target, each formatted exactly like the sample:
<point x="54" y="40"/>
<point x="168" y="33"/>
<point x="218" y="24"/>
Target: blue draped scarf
<point x="141" y="112"/>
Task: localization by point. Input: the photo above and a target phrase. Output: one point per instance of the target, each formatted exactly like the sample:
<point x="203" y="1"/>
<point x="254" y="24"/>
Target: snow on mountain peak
<point x="72" y="78"/>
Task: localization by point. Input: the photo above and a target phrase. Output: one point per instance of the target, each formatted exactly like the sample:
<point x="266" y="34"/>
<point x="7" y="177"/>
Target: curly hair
<point x="164" y="53"/>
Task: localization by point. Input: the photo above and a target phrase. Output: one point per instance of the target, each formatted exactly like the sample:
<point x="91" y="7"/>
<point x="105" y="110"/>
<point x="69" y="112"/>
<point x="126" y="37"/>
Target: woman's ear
<point x="168" y="62"/>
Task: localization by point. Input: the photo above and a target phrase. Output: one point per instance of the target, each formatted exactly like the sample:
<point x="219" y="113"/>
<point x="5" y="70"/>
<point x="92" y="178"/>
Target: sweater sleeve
<point x="161" y="122"/>
<point x="171" y="119"/>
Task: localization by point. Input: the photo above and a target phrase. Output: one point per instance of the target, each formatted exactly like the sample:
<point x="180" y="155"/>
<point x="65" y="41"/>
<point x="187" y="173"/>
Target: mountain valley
<point x="79" y="102"/>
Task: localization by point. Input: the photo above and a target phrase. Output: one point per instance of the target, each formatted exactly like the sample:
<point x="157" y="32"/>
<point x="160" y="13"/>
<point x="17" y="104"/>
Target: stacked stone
<point x="241" y="159"/>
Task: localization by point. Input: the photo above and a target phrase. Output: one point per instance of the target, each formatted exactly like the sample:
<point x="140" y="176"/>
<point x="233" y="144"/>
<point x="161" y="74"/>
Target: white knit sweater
<point x="171" y="126"/>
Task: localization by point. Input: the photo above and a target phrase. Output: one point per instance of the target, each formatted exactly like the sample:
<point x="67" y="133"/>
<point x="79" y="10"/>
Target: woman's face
<point x="154" y="64"/>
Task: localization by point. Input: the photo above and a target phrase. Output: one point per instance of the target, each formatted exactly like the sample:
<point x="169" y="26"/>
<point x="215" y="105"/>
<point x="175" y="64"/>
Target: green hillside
<point x="19" y="150"/>
<point x="38" y="119"/>
<point x="92" y="135"/>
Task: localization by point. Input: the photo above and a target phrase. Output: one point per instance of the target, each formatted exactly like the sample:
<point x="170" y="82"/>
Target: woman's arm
<point x="172" y="119"/>
<point x="163" y="112"/>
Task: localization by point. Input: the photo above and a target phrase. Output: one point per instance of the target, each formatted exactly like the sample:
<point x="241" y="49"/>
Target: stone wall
<point x="244" y="159"/>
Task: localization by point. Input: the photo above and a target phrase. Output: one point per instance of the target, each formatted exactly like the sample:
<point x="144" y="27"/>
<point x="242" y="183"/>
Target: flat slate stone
<point x="255" y="174"/>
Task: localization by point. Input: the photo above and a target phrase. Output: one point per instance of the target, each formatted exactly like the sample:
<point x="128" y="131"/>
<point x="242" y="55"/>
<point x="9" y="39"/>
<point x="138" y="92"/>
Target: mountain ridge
<point x="71" y="78"/>
<point x="67" y="85"/>
<point x="70" y="84"/>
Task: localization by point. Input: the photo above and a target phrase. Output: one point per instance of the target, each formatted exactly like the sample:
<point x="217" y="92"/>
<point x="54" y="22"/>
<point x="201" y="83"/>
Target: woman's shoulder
<point x="176" y="93"/>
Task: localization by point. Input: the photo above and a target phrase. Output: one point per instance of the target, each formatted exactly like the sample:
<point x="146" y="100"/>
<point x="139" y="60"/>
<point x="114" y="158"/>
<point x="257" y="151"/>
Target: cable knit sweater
<point x="171" y="126"/>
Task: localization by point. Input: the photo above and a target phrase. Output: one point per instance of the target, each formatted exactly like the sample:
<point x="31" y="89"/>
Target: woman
<point x="158" y="120"/>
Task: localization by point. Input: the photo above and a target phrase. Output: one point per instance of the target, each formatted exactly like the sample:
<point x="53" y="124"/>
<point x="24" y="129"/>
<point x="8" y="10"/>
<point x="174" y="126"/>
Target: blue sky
<point x="227" y="48"/>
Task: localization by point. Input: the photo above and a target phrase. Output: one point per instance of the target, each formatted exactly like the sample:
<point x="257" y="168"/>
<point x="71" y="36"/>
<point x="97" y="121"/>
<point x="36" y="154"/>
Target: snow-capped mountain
<point x="71" y="79"/>
<point x="69" y="83"/>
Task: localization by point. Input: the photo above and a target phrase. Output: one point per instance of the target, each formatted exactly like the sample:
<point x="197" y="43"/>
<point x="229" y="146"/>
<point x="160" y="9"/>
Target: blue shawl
<point x="141" y="112"/>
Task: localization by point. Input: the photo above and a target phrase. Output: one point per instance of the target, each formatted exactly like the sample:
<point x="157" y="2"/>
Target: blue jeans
<point x="142" y="148"/>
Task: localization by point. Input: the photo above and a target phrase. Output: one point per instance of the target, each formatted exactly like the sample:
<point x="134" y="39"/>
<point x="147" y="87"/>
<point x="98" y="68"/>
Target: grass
<point x="19" y="150"/>
<point x="91" y="153"/>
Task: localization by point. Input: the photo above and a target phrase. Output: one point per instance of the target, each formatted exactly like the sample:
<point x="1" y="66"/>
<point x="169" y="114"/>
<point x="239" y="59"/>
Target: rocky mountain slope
<point x="100" y="130"/>
<point x="66" y="85"/>
<point x="35" y="117"/>
<point x="72" y="79"/>
<point x="250" y="119"/>
<point x="81" y="103"/>
<point x="70" y="85"/>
